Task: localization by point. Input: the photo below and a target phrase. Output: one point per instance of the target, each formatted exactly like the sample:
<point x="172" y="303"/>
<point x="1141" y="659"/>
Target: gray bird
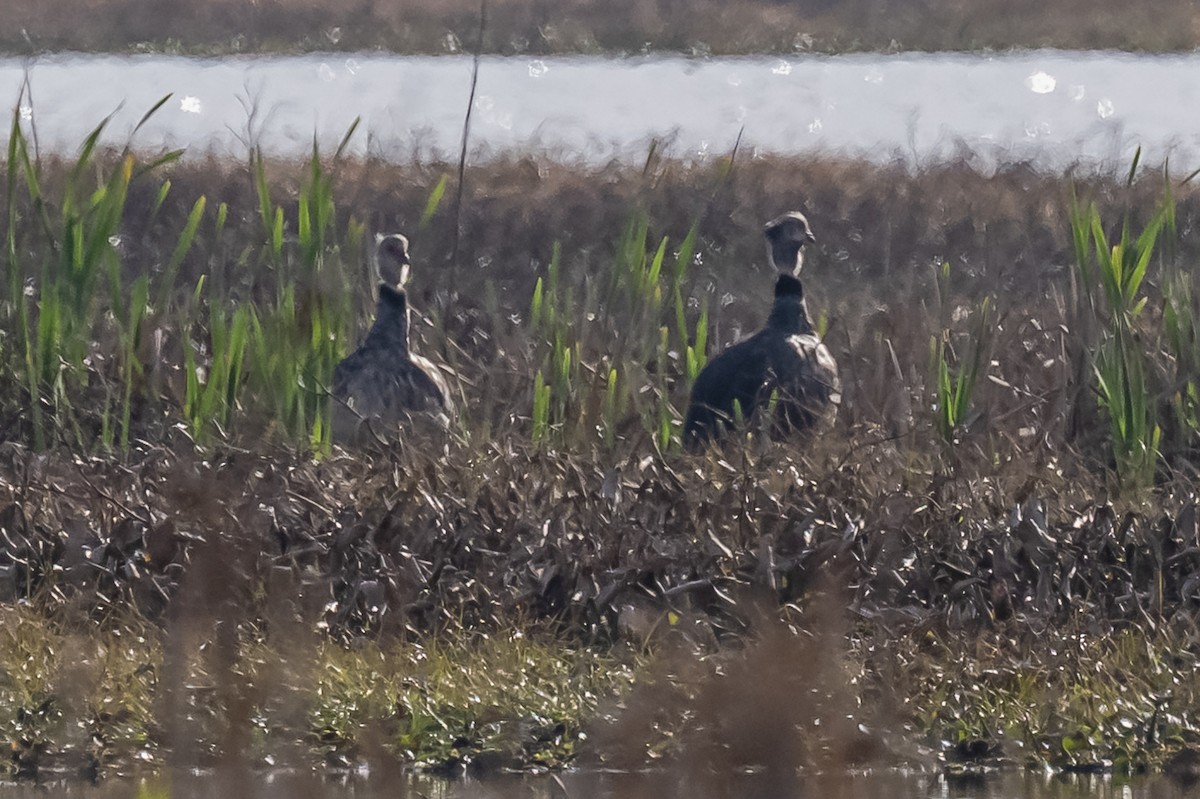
<point x="785" y="358"/>
<point x="383" y="380"/>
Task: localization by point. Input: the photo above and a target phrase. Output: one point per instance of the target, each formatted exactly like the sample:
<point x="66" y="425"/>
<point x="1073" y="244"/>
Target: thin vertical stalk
<point x="466" y="135"/>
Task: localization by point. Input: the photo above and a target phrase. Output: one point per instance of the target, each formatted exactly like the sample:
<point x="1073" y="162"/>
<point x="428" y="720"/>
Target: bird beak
<point x="378" y="238"/>
<point x="809" y="238"/>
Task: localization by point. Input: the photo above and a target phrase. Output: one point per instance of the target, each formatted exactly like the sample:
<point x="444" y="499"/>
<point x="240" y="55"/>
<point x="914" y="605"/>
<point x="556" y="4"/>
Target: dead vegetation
<point x="700" y="27"/>
<point x="590" y="545"/>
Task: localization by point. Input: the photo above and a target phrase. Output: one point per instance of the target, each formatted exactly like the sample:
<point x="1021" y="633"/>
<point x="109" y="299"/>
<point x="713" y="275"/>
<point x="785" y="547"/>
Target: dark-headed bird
<point x="383" y="381"/>
<point x="785" y="361"/>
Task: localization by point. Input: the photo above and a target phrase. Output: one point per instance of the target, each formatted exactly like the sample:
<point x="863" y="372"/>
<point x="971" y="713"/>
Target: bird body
<point x="785" y="360"/>
<point x="383" y="380"/>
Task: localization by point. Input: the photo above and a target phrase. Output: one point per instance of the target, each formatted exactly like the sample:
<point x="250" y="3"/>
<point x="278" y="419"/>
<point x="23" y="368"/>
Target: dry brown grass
<point x="517" y="26"/>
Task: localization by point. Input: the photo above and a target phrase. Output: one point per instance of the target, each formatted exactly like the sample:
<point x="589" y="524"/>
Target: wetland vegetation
<point x="993" y="559"/>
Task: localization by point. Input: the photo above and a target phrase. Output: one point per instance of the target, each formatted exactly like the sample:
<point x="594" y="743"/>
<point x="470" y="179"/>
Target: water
<point x="1011" y="785"/>
<point x="1050" y="106"/>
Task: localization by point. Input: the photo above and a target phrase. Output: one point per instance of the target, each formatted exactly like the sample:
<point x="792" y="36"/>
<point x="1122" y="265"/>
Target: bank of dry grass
<point x="592" y="26"/>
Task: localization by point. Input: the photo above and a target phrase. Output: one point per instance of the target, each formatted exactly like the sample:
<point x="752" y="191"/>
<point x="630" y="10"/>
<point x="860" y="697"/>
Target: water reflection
<point x="1041" y="83"/>
<point x="1013" y="785"/>
<point x="1049" y="106"/>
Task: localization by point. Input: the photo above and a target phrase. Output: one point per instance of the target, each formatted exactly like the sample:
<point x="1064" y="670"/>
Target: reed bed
<point x="1014" y="461"/>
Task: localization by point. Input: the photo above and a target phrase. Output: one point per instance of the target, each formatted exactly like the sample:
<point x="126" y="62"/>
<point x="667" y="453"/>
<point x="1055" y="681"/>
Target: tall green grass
<point x="88" y="324"/>
<point x="213" y="383"/>
<point x="1112" y="275"/>
<point x="296" y="339"/>
<point x="617" y="352"/>
<point x="955" y="387"/>
<point x="76" y="315"/>
<point x="955" y="375"/>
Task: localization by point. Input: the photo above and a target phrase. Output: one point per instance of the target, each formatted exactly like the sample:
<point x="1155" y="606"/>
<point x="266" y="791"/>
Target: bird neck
<point x="787" y="257"/>
<point x="390" y="330"/>
<point x="789" y="314"/>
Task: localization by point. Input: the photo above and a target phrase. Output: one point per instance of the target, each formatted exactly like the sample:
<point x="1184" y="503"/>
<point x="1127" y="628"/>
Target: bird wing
<point x="375" y="383"/>
<point x="429" y="381"/>
<point x="816" y="371"/>
<point x="806" y="377"/>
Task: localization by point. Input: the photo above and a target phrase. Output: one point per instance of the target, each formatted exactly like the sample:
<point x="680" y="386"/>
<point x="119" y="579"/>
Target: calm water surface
<point x="1053" y="106"/>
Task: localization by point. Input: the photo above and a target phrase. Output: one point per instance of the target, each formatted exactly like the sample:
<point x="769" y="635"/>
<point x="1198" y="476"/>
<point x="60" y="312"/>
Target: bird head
<point x="786" y="237"/>
<point x="391" y="259"/>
